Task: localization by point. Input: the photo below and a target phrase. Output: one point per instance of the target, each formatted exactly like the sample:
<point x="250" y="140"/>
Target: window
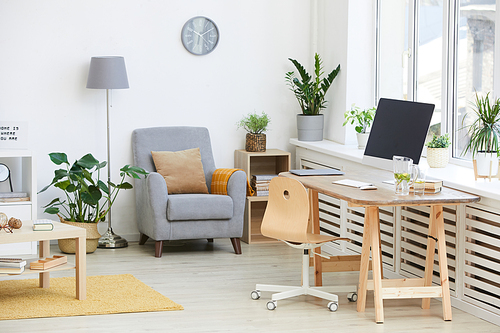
<point x="440" y="52"/>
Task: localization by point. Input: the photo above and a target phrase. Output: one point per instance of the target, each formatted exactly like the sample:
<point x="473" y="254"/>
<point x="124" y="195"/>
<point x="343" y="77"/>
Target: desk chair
<point x="287" y="219"/>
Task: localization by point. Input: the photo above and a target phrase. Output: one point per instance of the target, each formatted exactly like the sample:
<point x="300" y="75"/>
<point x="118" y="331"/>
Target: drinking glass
<point x="419" y="184"/>
<point x="404" y="174"/>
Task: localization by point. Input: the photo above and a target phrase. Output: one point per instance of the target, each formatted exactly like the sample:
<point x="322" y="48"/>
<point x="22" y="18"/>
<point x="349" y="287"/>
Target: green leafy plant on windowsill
<point x="442" y="141"/>
<point x="484" y="132"/>
<point x="86" y="198"/>
<point x="310" y="92"/>
<point x="361" y="118"/>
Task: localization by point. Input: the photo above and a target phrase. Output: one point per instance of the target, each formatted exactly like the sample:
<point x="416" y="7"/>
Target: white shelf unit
<point x="22" y="167"/>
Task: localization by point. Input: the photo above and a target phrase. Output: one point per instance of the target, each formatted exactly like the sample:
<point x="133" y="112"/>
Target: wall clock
<point x="200" y="35"/>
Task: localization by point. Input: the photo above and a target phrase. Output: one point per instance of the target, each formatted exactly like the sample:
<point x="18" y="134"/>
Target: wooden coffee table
<point x="61" y="231"/>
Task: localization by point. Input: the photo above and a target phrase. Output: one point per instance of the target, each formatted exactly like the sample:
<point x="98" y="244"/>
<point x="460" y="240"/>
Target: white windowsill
<point x="454" y="176"/>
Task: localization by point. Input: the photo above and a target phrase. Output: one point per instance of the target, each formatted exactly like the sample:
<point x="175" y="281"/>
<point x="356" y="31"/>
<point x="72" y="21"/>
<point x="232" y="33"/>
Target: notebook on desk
<point x="317" y="172"/>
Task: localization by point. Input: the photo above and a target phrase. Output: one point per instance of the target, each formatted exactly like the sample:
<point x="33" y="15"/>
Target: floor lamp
<point x="108" y="73"/>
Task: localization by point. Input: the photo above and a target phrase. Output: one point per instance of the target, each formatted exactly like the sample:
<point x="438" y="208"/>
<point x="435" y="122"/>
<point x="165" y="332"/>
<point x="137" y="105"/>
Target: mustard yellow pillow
<point x="182" y="170"/>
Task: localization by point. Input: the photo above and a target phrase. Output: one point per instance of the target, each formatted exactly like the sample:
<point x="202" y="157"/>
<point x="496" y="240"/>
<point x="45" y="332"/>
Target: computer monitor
<point x="399" y="128"/>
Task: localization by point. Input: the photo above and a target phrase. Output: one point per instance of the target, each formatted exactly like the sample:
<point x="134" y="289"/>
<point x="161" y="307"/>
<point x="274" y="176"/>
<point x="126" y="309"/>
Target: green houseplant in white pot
<point x="437" y="151"/>
<point x="255" y="125"/>
<point x="484" y="133"/>
<point x="362" y="120"/>
<point x="86" y="199"/>
<point x="310" y="93"/>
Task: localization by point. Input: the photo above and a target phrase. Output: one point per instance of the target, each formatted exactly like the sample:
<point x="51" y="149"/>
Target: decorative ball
<point x="3" y="219"/>
<point x="15" y="223"/>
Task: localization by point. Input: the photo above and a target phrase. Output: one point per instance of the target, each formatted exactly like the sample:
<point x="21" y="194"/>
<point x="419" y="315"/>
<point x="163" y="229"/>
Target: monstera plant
<point x="85" y="197"/>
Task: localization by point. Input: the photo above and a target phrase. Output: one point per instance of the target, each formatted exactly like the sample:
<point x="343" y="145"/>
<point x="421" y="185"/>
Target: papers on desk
<point x="351" y="183"/>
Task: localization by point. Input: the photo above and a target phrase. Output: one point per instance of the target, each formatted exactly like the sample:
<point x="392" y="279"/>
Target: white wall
<point x="46" y="46"/>
<point x="46" y="49"/>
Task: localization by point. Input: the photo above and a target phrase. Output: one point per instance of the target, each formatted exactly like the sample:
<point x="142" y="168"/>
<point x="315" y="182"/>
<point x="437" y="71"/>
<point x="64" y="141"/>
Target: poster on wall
<point x="13" y="135"/>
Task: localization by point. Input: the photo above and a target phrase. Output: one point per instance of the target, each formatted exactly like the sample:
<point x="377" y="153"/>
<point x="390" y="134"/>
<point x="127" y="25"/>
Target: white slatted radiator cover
<point x="414" y="231"/>
<point x="482" y="257"/>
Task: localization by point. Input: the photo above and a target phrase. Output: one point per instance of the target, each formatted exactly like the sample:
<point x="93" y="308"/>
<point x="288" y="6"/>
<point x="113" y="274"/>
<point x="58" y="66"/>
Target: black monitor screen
<point x="399" y="128"/>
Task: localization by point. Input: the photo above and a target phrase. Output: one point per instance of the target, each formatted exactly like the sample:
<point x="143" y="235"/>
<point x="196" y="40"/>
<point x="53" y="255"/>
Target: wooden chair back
<point x="287" y="214"/>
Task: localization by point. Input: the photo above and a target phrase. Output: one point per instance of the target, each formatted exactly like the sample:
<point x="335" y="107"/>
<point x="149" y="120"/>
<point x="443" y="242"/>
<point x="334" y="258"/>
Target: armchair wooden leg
<point x="143" y="239"/>
<point x="158" y="249"/>
<point x="236" y="245"/>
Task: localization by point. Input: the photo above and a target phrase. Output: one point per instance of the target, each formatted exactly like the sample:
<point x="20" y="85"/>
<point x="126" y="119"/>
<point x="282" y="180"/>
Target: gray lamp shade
<point x="107" y="72"/>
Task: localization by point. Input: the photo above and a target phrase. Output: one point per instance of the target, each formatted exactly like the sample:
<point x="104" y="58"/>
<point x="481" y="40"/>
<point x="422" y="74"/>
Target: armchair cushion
<point x="182" y="170"/>
<point x="188" y="207"/>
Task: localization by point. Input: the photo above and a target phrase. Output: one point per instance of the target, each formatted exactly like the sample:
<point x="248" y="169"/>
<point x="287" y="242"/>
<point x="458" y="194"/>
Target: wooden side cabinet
<point x="272" y="161"/>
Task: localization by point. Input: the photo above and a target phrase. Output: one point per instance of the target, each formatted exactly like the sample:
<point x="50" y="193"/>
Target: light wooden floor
<point x="214" y="285"/>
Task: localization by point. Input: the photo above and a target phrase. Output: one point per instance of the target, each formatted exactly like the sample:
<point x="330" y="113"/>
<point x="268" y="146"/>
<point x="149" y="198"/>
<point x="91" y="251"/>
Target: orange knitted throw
<point x="220" y="179"/>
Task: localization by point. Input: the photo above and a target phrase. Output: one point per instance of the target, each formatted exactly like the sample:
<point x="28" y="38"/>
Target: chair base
<point x="285" y="292"/>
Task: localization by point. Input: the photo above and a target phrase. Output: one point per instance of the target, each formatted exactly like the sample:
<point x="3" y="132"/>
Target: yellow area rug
<point x="20" y="299"/>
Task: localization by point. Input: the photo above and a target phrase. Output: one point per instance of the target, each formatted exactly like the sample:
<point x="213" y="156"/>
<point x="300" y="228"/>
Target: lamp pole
<point x="108" y="72"/>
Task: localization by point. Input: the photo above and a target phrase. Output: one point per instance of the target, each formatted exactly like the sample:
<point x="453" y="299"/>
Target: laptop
<point x="317" y="172"/>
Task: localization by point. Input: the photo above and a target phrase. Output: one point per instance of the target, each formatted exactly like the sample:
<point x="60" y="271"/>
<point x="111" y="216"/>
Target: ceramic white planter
<point x="437" y="157"/>
<point x="362" y="139"/>
<point x="484" y="162"/>
<point x="310" y="127"/>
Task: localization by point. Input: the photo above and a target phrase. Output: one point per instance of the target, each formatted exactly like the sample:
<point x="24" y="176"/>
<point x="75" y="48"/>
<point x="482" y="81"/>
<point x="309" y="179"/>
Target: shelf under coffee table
<point x="60" y="231"/>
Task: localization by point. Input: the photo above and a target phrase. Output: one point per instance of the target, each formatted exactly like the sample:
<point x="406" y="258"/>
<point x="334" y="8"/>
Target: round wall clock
<point x="200" y="35"/>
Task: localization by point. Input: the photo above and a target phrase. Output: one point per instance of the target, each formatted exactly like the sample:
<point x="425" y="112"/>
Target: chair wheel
<point x="255" y="294"/>
<point x="352" y="297"/>
<point x="271" y="305"/>
<point x="333" y="306"/>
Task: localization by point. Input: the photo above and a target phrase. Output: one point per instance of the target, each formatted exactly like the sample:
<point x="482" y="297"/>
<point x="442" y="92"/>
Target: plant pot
<point x="310" y="127"/>
<point x="255" y="142"/>
<point x="487" y="164"/>
<point x="437" y="157"/>
<point x="68" y="245"/>
<point x="362" y="139"/>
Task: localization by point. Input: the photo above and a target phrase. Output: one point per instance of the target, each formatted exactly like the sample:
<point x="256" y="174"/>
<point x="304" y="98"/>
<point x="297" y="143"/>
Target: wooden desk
<point x="371" y="200"/>
<point x="61" y="231"/>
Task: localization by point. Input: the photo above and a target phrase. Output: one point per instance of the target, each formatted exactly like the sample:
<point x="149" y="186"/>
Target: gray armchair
<point x="162" y="216"/>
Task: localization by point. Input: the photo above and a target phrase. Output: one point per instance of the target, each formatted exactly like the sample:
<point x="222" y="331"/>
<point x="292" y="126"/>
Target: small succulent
<point x="442" y="141"/>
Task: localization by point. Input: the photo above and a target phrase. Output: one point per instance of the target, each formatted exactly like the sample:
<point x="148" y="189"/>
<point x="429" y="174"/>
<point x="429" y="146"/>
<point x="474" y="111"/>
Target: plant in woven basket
<point x="442" y="141"/>
<point x="437" y="151"/>
<point x="255" y="125"/>
<point x="86" y="197"/>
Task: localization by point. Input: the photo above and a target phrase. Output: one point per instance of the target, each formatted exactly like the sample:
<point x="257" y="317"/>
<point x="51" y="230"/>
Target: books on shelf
<point x="42" y="225"/>
<point x="11" y="270"/>
<point x="14" y="196"/>
<point x="260" y="184"/>
<point x="11" y="262"/>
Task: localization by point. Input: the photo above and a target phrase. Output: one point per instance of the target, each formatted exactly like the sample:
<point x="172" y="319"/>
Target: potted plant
<point x="362" y="120"/>
<point x="484" y="132"/>
<point x="87" y="199"/>
<point x="437" y="151"/>
<point x="255" y="125"/>
<point x="310" y="93"/>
